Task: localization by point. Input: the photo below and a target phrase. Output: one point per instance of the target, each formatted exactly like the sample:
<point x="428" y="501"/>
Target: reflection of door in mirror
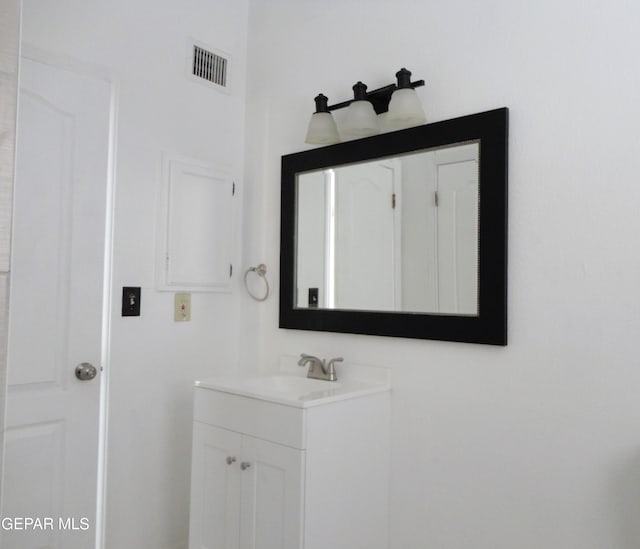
<point x="440" y="231"/>
<point x="366" y="241"/>
<point x="394" y="234"/>
<point x="349" y="237"/>
<point x="457" y="227"/>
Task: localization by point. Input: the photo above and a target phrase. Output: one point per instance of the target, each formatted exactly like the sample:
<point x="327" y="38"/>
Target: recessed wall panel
<point x="40" y="291"/>
<point x="37" y="451"/>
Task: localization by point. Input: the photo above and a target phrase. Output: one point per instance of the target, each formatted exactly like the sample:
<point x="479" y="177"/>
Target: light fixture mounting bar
<point x="379" y="98"/>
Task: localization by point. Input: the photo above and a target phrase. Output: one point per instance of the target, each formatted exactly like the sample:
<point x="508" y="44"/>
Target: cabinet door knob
<point x="231" y="459"/>
<point x="245" y="465"/>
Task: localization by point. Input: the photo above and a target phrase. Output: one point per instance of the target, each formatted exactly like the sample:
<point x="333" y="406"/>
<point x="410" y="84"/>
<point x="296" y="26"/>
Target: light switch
<point x="182" y="308"/>
<point x="313" y="298"/>
<point x="131" y="301"/>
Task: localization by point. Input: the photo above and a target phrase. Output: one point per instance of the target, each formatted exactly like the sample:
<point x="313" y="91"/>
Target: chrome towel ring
<point x="261" y="271"/>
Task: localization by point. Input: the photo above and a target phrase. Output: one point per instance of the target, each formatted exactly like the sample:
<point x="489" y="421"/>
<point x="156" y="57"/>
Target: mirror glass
<point x="401" y="234"/>
<point x="397" y="233"/>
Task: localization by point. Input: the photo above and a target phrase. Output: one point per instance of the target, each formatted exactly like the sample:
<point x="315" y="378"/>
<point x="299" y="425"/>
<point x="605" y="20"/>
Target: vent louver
<point x="209" y="66"/>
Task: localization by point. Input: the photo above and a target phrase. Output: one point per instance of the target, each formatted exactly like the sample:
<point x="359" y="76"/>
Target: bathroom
<point x="530" y="445"/>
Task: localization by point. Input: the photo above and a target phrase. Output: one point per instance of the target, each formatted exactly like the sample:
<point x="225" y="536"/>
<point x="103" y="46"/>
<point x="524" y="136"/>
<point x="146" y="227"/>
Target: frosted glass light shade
<point x="405" y="110"/>
<point x="360" y="120"/>
<point x="322" y="129"/>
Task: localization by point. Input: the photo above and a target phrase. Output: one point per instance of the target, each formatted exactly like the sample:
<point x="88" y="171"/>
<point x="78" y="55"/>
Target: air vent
<point x="210" y="66"/>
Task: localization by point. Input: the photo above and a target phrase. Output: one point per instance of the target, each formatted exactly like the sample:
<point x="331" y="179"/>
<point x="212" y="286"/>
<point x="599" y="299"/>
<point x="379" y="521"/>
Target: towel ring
<point x="261" y="271"/>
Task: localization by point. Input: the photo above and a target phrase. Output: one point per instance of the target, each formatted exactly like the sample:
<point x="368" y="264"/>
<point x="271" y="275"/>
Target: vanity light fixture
<point x="322" y="127"/>
<point x="399" y="101"/>
<point x="405" y="109"/>
<point x="361" y="119"/>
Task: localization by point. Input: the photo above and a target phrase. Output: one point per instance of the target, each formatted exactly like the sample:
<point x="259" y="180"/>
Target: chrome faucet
<point x="320" y="369"/>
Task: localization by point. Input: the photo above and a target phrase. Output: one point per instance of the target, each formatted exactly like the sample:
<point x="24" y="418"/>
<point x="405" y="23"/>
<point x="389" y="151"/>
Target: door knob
<point x="231" y="459"/>
<point x="86" y="371"/>
<point x="245" y="465"/>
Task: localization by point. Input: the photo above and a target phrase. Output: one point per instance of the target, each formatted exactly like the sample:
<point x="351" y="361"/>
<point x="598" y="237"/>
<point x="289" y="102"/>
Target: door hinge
<point x="393" y="201"/>
<point x="230" y="271"/>
<point x="233" y="189"/>
<point x="436" y="200"/>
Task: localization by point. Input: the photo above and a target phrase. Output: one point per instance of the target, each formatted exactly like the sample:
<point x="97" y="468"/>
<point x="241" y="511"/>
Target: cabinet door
<point x="271" y="503"/>
<point x="215" y="488"/>
<point x="196" y="249"/>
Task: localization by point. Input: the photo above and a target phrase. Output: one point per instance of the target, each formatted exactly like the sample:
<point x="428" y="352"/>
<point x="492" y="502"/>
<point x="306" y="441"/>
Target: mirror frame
<point x="490" y="129"/>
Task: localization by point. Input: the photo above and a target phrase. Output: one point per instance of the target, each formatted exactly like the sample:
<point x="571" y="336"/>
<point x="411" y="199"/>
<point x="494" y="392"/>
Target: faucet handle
<point x="304" y="358"/>
<point x="331" y="367"/>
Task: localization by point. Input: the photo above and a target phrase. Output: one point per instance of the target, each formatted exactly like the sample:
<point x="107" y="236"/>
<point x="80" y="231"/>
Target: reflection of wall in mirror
<point x="310" y="245"/>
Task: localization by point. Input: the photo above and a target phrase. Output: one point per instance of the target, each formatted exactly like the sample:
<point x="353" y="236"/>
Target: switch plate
<point x="313" y="298"/>
<point x="182" y="308"/>
<point x="131" y="301"/>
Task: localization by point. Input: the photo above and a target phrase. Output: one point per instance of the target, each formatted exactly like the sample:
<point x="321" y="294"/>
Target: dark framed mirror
<point x="402" y="234"/>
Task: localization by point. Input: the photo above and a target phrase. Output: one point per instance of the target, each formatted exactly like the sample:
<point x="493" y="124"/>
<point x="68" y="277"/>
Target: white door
<point x="56" y="310"/>
<point x="365" y="241"/>
<point x="457" y="226"/>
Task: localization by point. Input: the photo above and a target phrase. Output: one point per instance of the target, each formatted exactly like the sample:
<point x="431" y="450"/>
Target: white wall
<point x="536" y="444"/>
<point x="144" y="45"/>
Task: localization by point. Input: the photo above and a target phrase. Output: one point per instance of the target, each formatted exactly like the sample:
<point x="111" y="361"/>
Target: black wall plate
<point x="131" y="301"/>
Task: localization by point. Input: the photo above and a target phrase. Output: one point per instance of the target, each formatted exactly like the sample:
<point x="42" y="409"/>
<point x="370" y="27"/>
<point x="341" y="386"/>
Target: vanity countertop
<point x="292" y="388"/>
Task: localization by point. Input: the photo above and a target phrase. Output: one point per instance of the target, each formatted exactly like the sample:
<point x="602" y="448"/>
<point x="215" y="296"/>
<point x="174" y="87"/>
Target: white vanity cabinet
<point x="267" y="475"/>
<point x="244" y="489"/>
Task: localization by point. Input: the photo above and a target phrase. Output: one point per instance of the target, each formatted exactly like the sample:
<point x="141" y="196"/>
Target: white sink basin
<point x="292" y="390"/>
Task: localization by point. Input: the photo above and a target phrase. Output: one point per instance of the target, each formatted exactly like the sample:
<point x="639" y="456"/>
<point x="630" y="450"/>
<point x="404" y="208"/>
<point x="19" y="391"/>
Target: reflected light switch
<point x="182" y="308"/>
